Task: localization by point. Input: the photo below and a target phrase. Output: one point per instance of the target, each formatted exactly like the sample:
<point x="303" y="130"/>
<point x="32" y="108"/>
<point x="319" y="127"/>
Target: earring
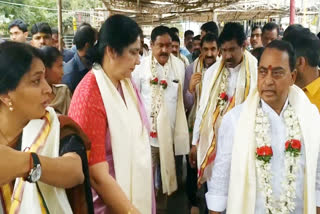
<point x="10" y="106"/>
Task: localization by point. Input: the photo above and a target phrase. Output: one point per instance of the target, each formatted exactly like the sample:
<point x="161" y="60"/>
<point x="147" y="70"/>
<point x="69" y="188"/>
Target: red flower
<point x="224" y="96"/>
<point x="153" y="134"/>
<point x="287" y="144"/>
<point x="264" y="151"/>
<point x="154" y="81"/>
<point x="164" y="84"/>
<point x="296" y="144"/>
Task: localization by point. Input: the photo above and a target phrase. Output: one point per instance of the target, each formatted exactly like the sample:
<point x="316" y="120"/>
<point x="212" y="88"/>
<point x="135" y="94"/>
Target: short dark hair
<point x="210" y="27"/>
<point x="285" y="46"/>
<point x="174" y="37"/>
<point x="117" y="32"/>
<point x="41" y="27"/>
<point x="232" y="30"/>
<point x="54" y="30"/>
<point x="292" y="28"/>
<point x="209" y="37"/>
<point x="197" y="37"/>
<point x="20" y="24"/>
<point x="188" y="33"/>
<point x="15" y="61"/>
<point x="270" y="26"/>
<point x="50" y="55"/>
<point x="159" y="31"/>
<point x="255" y="28"/>
<point x="174" y="30"/>
<point x="305" y="45"/>
<point x="84" y="35"/>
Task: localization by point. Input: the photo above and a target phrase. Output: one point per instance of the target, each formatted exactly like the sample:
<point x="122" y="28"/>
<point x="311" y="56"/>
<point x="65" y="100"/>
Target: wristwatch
<point x="35" y="171"/>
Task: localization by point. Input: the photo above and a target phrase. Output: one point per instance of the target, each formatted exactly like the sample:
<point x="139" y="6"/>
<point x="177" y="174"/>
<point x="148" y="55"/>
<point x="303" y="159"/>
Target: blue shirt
<point x="184" y="51"/>
<point x="74" y="71"/>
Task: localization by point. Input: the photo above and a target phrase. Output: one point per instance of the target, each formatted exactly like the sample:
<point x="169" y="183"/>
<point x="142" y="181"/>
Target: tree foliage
<point x="33" y="15"/>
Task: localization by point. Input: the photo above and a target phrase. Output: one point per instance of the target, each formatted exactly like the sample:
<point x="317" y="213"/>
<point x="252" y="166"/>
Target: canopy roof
<point x="154" y="12"/>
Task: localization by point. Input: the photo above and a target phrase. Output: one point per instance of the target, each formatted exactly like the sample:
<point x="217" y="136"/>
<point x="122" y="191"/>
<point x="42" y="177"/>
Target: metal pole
<point x="292" y="11"/>
<point x="60" y="24"/>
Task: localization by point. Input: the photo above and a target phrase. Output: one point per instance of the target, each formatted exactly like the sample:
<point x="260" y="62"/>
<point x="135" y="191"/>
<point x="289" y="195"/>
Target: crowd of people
<point x="103" y="127"/>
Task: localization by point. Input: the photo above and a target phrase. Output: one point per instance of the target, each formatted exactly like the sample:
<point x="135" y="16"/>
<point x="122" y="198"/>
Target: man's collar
<point x="235" y="69"/>
<point x="313" y="87"/>
<point x="268" y="109"/>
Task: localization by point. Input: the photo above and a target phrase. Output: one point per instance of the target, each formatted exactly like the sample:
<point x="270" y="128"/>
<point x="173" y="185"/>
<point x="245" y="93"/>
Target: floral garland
<point x="223" y="97"/>
<point x="264" y="154"/>
<point x="156" y="95"/>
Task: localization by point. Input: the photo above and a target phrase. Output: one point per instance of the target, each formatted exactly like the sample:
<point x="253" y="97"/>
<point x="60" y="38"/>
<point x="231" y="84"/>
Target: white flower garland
<point x="286" y="203"/>
<point x="223" y="97"/>
<point x="156" y="95"/>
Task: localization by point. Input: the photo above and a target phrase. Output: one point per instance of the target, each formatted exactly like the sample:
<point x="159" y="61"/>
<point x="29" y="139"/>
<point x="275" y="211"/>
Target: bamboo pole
<point x="59" y="2"/>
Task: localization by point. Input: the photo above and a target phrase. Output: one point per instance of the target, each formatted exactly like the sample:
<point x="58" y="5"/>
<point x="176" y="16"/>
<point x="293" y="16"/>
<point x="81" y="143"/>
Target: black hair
<point x="41" y="27"/>
<point x="292" y="28"/>
<point x="318" y="35"/>
<point x="20" y="24"/>
<point x="50" y="55"/>
<point x="270" y="26"/>
<point x="188" y="32"/>
<point x="210" y="27"/>
<point x="174" y="37"/>
<point x="84" y="35"/>
<point x="174" y="30"/>
<point x="285" y="46"/>
<point x="197" y="37"/>
<point x="232" y="30"/>
<point x="117" y="32"/>
<point x="159" y="31"/>
<point x="15" y="61"/>
<point x="306" y="45"/>
<point x="54" y="30"/>
<point x="255" y="28"/>
<point x="209" y="37"/>
<point x="257" y="52"/>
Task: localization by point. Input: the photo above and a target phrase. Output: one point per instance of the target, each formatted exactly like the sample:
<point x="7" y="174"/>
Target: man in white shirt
<point x="268" y="147"/>
<point x="159" y="78"/>
<point x="226" y="84"/>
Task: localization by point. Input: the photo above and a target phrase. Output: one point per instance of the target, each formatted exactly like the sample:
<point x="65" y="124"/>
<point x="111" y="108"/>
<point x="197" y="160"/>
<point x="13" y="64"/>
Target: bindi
<point x="270" y="67"/>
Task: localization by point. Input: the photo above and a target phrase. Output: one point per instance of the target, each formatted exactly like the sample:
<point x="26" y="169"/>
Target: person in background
<point x="209" y="27"/>
<point x="255" y="38"/>
<point x="307" y="50"/>
<point x="270" y="32"/>
<point x="18" y="30"/>
<point x="188" y="35"/>
<point x="176" y="49"/>
<point x="41" y="35"/>
<point x="81" y="63"/>
<point x="67" y="54"/>
<point x="191" y="97"/>
<point x="60" y="96"/>
<point x="174" y="30"/>
<point x="257" y="52"/>
<point x="195" y="49"/>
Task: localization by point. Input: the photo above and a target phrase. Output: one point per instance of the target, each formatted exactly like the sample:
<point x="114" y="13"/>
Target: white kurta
<point x="232" y="84"/>
<point x="142" y="76"/>
<point x="217" y="194"/>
